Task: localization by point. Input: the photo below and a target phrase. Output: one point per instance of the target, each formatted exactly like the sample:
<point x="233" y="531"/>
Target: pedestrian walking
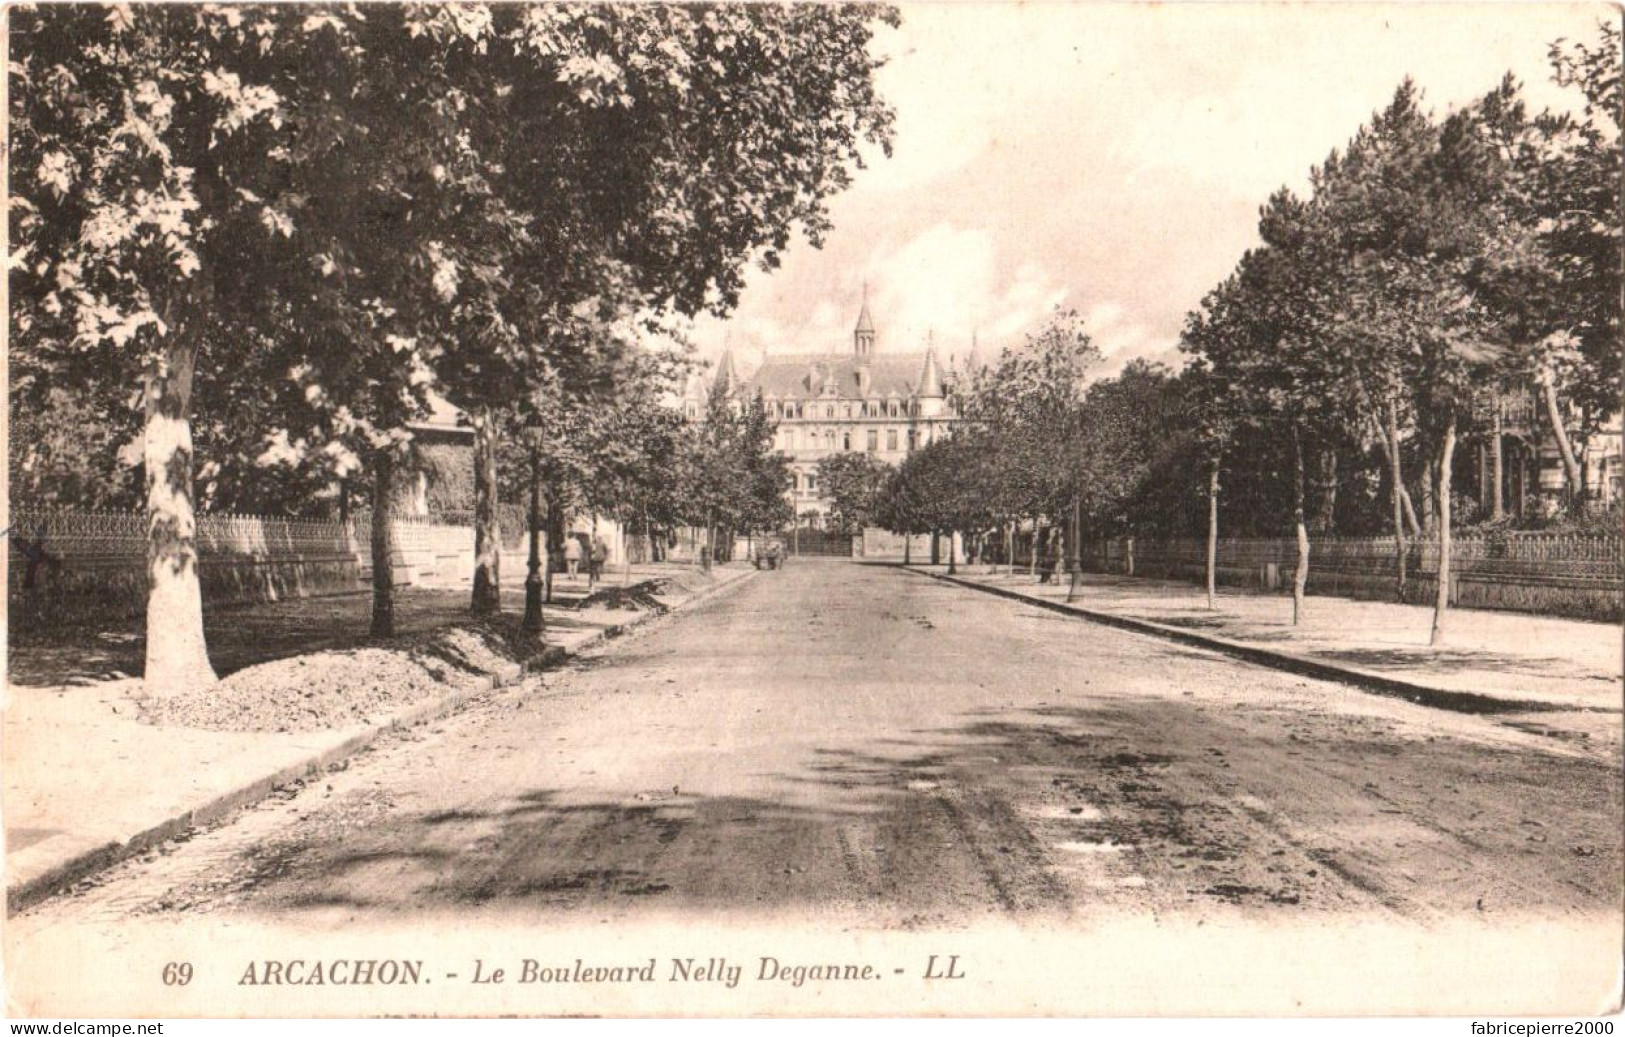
<point x="595" y="563"/>
<point x="572" y="554"/>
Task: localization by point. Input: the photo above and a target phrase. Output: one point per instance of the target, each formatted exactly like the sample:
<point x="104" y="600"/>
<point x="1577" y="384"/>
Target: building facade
<point x="1532" y="473"/>
<point x="862" y="400"/>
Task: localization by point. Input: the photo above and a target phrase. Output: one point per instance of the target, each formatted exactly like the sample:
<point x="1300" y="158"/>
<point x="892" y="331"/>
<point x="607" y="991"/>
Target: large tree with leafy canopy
<point x="851" y="481"/>
<point x="1026" y="409"/>
<point x="397" y="197"/>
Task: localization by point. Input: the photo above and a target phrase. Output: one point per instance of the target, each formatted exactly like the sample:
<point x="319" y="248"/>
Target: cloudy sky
<point x="1108" y="157"/>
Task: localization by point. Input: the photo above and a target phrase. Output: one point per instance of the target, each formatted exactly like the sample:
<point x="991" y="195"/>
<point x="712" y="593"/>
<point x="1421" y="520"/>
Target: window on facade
<point x="846" y="441"/>
<point x="874" y="440"/>
<point x="829" y="410"/>
<point x="812" y="482"/>
<point x="891" y="439"/>
<point x="911" y="439"/>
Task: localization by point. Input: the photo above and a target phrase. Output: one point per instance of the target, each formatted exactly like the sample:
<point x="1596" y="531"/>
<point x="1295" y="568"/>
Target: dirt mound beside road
<point x="337" y="689"/>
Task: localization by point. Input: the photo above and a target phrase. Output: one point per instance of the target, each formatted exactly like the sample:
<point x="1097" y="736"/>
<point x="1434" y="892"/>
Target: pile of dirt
<point x="330" y="690"/>
<point x="478" y="647"/>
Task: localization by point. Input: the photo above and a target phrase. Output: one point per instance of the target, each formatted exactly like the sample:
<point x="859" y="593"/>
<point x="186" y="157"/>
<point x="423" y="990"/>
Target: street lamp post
<point x="534" y="622"/>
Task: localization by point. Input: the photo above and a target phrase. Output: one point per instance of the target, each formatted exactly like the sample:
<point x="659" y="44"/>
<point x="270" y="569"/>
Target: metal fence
<point x="70" y="567"/>
<point x="92" y="538"/>
<point x="1577" y="575"/>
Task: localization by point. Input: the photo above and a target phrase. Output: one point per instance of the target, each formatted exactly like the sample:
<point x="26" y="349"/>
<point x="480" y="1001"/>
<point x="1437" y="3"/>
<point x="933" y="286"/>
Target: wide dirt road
<point x="857" y="742"/>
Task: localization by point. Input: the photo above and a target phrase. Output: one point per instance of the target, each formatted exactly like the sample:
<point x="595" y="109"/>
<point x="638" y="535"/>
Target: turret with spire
<point x="863" y="336"/>
<point x="930" y="392"/>
<point x="727" y="377"/>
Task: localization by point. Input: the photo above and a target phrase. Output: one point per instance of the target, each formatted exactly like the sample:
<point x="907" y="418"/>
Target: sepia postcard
<point x="814" y="509"/>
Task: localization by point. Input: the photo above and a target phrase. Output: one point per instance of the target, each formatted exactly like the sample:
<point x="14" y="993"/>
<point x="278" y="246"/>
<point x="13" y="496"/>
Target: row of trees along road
<point x="1044" y="441"/>
<point x="1436" y="264"/>
<point x="276" y="230"/>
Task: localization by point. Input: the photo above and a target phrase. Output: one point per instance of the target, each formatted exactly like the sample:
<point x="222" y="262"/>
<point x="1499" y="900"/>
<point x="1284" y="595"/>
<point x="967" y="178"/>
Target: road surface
<point x="857" y="742"/>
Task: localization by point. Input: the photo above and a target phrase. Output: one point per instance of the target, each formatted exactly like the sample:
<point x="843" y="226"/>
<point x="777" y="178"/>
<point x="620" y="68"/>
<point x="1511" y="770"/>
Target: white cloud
<point x="1109" y="157"/>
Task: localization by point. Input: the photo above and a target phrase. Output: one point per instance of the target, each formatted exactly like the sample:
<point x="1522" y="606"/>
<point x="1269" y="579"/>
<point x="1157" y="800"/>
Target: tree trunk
<point x="1396" y="474"/>
<point x="1010" y="548"/>
<point x="487" y="598"/>
<point x="1441" y="601"/>
<point x="554" y="540"/>
<point x="1430" y="513"/>
<point x="936" y="548"/>
<point x="1034" y="552"/>
<point x="710" y="542"/>
<point x="626" y="553"/>
<point x="1212" y="531"/>
<point x="1300" y="573"/>
<point x="908" y="545"/>
<point x="1389" y="427"/>
<point x="1497" y="466"/>
<point x="383" y="545"/>
<point x="1075" y="550"/>
<point x="1571" y="466"/>
<point x="952" y="568"/>
<point x="1411" y="521"/>
<point x="177" y="656"/>
<point x="1326" y="485"/>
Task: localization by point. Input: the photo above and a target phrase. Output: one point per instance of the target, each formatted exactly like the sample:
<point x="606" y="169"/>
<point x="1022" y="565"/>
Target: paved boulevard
<point x="863" y="743"/>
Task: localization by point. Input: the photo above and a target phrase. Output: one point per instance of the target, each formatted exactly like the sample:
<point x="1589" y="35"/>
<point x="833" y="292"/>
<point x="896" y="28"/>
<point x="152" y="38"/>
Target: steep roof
<point x="443" y="419"/>
<point x="866" y="323"/>
<point x="694" y="388"/>
<point x="931" y="377"/>
<point x="973" y="359"/>
<point x="802" y="376"/>
<point x="727" y="372"/>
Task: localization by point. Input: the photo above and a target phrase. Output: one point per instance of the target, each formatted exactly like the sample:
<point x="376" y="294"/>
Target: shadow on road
<point x="1004" y="811"/>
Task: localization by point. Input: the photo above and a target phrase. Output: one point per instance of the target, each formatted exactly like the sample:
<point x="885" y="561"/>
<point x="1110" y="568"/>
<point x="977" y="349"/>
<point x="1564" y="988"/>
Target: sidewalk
<point x="87" y="783"/>
<point x="1491" y="662"/>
